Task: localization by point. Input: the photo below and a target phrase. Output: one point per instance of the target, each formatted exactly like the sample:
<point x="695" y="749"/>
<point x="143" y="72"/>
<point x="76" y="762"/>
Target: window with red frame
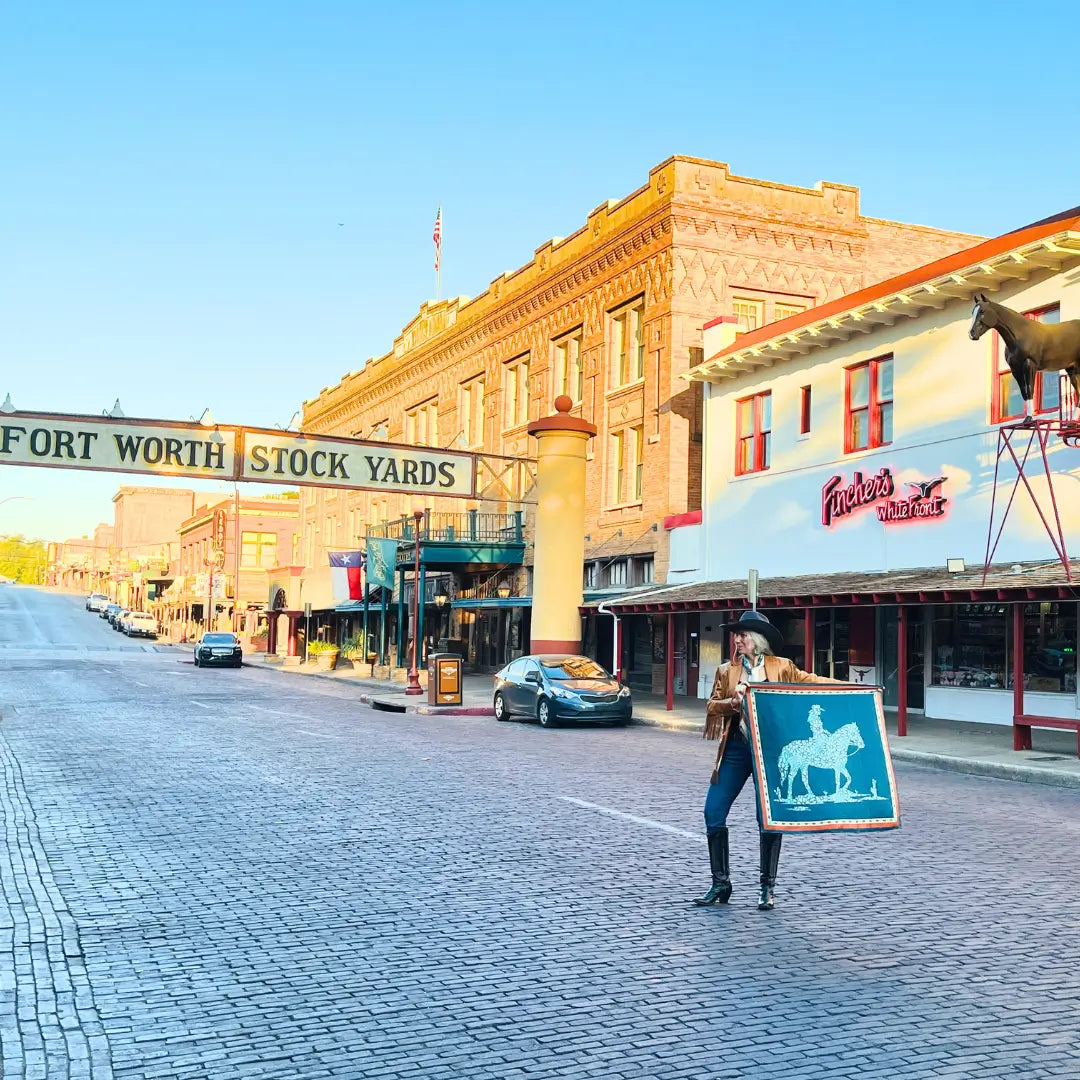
<point x="753" y="433"/>
<point x="868" y="404"/>
<point x="1006" y="402"/>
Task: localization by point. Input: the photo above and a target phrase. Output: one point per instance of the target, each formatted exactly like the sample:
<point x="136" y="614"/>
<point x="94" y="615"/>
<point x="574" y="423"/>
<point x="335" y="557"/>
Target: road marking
<point x="145" y="685"/>
<point x="203" y="705"/>
<point x="316" y="734"/>
<point x="634" y="818"/>
<point x="279" y="712"/>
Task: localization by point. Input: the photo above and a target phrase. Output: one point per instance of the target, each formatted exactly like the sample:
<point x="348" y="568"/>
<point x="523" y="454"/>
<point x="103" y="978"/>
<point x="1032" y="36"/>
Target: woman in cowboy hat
<point x="754" y="639"/>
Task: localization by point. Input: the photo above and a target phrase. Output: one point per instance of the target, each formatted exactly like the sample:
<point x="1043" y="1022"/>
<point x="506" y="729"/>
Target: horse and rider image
<point x="823" y="750"/>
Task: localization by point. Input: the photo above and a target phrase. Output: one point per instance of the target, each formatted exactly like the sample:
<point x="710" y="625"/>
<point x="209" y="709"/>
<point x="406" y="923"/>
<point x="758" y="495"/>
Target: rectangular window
<point x="753" y="433"/>
<point x="258" y="549"/>
<point x="569" y="374"/>
<point x="627" y="359"/>
<point x="616" y="573"/>
<point x="804" y="410"/>
<point x="516" y="393"/>
<point x="1006" y="402"/>
<point x="421" y="424"/>
<point x="592" y="575"/>
<point x="785" y="311"/>
<point x="749" y="314"/>
<point x="471" y="412"/>
<point x="643" y="571"/>
<point x="627" y="473"/>
<point x="868" y="404"/>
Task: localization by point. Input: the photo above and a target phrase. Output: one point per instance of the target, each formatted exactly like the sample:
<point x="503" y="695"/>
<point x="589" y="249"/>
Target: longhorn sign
<point x="1030" y="346"/>
<point x="925" y="488"/>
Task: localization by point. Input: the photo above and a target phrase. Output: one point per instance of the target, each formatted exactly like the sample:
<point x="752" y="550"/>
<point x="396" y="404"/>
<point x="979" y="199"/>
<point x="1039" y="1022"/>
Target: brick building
<point x="253" y="542"/>
<point x="611" y="315"/>
<point x="146" y="521"/>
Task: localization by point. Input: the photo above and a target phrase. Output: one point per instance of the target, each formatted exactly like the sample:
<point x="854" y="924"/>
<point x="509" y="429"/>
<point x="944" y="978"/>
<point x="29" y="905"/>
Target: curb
<point x="1027" y="774"/>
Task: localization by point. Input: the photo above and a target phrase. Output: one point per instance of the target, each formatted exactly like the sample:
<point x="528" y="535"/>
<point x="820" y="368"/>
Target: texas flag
<point x="347" y="574"/>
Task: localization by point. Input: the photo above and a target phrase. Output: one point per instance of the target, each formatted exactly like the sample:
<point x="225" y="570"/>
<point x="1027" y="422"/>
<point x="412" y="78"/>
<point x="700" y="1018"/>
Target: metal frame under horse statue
<point x="1030" y="346"/>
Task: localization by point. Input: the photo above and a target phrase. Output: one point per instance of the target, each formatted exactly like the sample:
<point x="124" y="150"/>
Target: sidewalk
<point x="979" y="749"/>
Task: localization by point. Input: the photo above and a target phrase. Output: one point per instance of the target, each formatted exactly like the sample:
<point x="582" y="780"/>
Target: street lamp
<point x="413" y="686"/>
<point x="504" y="592"/>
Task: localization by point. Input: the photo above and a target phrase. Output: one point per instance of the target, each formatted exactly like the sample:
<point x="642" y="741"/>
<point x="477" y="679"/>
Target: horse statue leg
<point x="805" y="773"/>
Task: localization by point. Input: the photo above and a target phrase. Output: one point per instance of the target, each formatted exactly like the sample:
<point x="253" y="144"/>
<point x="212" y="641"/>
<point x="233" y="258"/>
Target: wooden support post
<point x="1021" y="732"/>
<point x="669" y="664"/>
<point x="618" y="672"/>
<point x="901" y="671"/>
<point x="808" y="640"/>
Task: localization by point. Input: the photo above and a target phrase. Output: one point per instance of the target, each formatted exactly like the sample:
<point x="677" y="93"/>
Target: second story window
<point x="421" y="424"/>
<point x="516" y="393"/>
<point x="1006" y="403"/>
<point x="750" y="314"/>
<point x="627" y="362"/>
<point x="627" y="470"/>
<point x="753" y="433"/>
<point x="868" y="404"/>
<point x="783" y="310"/>
<point x="471" y="412"/>
<point x="258" y="549"/>
<point x="569" y="374"/>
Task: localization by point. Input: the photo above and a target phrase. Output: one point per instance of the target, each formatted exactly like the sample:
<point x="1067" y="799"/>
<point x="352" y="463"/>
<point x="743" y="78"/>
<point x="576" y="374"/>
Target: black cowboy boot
<point x="720" y="893"/>
<point x="770" y="860"/>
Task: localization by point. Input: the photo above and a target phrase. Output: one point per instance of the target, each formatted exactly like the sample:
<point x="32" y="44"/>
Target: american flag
<point x="437" y="237"/>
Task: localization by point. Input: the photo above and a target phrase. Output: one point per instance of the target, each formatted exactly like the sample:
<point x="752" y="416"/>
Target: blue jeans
<point x="735" y="769"/>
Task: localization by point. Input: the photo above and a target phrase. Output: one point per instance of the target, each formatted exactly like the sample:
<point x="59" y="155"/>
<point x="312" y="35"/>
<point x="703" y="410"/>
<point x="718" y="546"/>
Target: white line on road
<point x="279" y="712"/>
<point x="633" y="817"/>
<point x="316" y="734"/>
<point x="203" y="705"/>
<point x="145" y="685"/>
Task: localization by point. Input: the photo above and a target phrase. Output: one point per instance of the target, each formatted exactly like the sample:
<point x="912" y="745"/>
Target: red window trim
<point x="997" y="360"/>
<point x="757" y="434"/>
<point x="804" y="410"/>
<point x="873" y="404"/>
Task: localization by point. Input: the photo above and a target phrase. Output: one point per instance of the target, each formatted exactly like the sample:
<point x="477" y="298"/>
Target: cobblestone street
<point x="236" y="874"/>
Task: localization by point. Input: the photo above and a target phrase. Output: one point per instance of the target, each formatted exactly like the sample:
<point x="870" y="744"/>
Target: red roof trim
<point x="718" y="320"/>
<point x="998" y="245"/>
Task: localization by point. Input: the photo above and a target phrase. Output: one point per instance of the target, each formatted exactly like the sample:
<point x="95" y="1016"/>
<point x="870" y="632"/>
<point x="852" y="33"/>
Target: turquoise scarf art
<point x="821" y="758"/>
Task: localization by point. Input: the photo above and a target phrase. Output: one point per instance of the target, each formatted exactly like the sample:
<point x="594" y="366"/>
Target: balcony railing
<point x="470" y="527"/>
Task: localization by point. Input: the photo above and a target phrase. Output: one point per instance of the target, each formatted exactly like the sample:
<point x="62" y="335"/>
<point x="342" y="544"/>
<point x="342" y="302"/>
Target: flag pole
<point x="438" y="255"/>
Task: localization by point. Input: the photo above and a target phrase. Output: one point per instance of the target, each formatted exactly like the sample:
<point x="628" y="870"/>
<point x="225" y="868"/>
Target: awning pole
<point x="669" y="671"/>
<point x="901" y="671"/>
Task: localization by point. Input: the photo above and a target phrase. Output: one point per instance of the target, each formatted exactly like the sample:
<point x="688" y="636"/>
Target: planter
<point x="360" y="667"/>
<point x="326" y="661"/>
<point x="258" y="644"/>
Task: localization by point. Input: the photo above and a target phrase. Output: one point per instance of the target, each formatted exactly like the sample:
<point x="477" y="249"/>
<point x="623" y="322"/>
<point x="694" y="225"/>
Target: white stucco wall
<point x="941" y="427"/>
<point x="686" y="554"/>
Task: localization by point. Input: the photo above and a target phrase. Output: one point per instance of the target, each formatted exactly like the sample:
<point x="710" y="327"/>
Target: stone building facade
<point x="611" y="315"/>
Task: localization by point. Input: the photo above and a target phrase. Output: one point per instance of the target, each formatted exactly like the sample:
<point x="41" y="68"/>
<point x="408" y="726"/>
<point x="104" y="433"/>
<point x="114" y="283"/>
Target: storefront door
<point x="832" y="638"/>
<point x="916" y="657"/>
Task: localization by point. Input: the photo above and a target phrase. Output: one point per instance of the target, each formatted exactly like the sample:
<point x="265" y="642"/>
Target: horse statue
<point x="1030" y="346"/>
<point x="825" y="750"/>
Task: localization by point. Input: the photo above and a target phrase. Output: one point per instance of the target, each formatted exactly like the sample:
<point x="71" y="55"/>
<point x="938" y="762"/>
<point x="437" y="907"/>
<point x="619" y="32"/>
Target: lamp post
<point x="413" y="686"/>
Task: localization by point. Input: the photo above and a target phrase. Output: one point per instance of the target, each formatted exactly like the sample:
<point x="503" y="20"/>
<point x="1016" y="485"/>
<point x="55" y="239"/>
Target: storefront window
<point x="973" y="647"/>
<point x="1049" y="648"/>
<point x="969" y="645"/>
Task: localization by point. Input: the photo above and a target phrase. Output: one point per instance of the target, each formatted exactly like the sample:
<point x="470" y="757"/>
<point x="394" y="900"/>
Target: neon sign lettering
<point x="839" y="500"/>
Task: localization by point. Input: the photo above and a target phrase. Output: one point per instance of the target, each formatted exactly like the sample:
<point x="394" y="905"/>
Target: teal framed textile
<point x="821" y="758"/>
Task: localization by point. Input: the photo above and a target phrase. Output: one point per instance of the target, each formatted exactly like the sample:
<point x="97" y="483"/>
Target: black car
<point x="109" y="611"/>
<point x="223" y="649"/>
<point x="560" y="687"/>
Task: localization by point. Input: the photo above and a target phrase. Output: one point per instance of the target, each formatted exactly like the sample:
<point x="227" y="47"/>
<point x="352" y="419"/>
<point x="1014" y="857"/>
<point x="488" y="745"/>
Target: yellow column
<point x="559" y="548"/>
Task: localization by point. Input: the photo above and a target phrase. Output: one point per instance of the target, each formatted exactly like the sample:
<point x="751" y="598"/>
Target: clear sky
<point x="230" y="204"/>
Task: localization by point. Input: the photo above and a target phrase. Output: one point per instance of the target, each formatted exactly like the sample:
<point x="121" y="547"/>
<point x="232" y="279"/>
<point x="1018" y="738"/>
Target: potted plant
<point x="258" y="641"/>
<point x="325" y="654"/>
<point x="352" y="650"/>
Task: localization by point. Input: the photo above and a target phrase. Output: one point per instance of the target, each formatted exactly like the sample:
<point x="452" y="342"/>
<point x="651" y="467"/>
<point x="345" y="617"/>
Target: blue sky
<point x="230" y="203"/>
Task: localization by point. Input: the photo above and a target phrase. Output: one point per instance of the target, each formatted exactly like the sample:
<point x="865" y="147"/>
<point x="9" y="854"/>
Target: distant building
<point x="146" y="522"/>
<point x="82" y="563"/>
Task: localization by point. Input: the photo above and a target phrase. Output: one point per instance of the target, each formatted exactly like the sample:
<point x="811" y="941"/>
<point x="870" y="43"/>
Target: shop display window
<point x="972" y="646"/>
<point x="969" y="642"/>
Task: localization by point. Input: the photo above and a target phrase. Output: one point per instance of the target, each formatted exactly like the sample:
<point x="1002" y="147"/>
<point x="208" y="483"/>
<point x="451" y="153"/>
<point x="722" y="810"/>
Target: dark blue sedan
<point x="554" y="688"/>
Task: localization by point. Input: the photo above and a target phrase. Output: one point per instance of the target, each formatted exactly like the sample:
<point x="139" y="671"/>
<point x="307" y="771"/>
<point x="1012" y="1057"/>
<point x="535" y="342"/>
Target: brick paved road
<point x="234" y="874"/>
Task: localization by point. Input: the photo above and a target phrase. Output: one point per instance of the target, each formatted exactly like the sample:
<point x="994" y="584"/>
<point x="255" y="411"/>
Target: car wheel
<point x="196" y="661"/>
<point x="501" y="711"/>
<point x="545" y="715"/>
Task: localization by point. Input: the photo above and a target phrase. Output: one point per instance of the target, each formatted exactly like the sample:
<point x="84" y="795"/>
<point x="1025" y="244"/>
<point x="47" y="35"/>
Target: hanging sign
<point x="840" y="500"/>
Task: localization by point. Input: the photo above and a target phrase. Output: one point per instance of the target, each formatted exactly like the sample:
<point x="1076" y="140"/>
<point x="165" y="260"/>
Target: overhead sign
<point x="224" y="452"/>
<point x="105" y="445"/>
<point x="840" y="500"/>
<point x="289" y="458"/>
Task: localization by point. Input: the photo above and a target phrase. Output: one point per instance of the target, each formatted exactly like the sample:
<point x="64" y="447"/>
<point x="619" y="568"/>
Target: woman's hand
<point x="740" y="693"/>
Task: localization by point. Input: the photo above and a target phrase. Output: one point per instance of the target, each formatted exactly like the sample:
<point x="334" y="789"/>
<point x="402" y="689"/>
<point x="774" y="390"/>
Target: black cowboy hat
<point x="756" y="622"/>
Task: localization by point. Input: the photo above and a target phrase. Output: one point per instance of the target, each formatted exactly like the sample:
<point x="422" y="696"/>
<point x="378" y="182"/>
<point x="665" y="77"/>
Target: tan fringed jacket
<point x="723" y="705"/>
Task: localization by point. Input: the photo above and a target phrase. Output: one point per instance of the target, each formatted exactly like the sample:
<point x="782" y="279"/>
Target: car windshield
<point x="574" y="667"/>
<point x="219" y="639"/>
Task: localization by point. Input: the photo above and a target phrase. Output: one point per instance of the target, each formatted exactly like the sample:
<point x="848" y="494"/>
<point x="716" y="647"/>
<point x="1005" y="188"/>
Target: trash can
<point x="444" y="679"/>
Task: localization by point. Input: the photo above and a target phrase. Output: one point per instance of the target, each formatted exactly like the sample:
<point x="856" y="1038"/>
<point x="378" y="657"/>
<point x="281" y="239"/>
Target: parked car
<point x="96" y="601"/>
<point x="560" y="687"/>
<point x="218" y="648"/>
<point x="140" y="624"/>
<point x="109" y="610"/>
<point x="117" y="618"/>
